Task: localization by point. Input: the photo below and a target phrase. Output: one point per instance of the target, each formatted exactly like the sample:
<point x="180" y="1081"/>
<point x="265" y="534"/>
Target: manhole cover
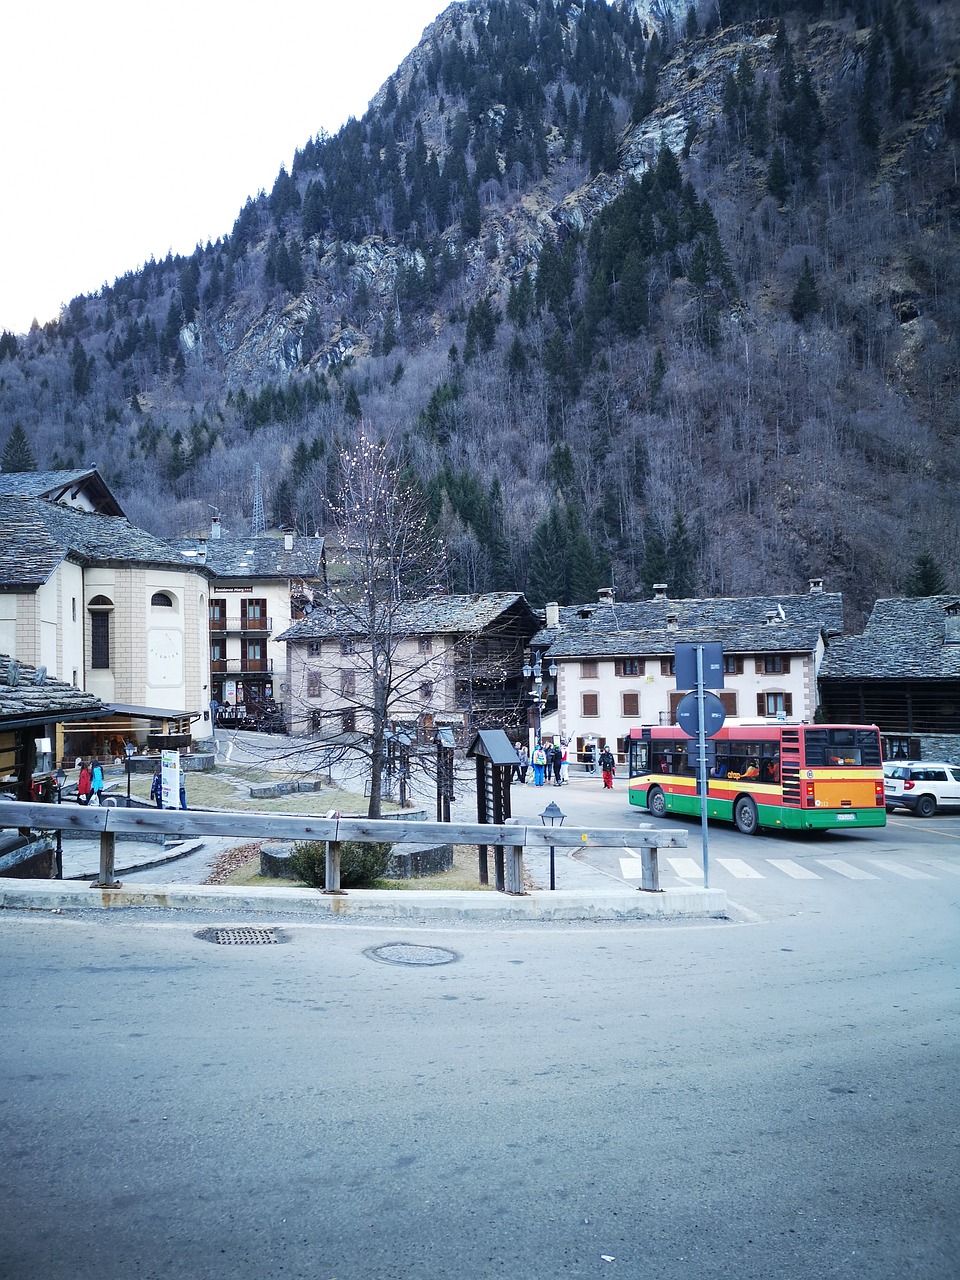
<point x="410" y="953"/>
<point x="241" y="937"/>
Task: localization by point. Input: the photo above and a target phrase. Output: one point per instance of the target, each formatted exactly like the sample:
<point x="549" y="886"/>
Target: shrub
<point x="360" y="864"/>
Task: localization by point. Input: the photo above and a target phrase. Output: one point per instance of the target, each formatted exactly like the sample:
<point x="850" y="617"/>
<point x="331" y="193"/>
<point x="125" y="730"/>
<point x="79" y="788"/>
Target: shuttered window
<point x="590" y="704"/>
<point x="631" y="704"/>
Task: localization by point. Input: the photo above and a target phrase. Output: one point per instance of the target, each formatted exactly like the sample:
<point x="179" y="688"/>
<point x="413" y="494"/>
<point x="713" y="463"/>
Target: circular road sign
<point x="713" y="714"/>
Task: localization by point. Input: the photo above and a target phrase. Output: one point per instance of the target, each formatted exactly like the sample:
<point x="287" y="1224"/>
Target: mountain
<point x="640" y="297"/>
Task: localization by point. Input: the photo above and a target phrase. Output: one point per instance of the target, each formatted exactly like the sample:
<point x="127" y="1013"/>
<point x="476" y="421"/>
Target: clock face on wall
<point x="164" y="657"/>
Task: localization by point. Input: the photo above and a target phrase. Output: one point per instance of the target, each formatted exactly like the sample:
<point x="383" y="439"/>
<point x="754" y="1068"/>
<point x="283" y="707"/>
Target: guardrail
<point x="509" y="839"/>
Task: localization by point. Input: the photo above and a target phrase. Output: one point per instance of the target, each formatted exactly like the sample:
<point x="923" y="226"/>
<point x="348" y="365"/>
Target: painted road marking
<point x="742" y="870"/>
<point x="631" y="868"/>
<point x="793" y="869"/>
<point x="951" y="867"/>
<point x="844" y="869"/>
<point x="908" y="873"/>
<point x="686" y="868"/>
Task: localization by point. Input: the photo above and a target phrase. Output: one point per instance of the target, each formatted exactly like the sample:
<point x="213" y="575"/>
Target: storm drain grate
<point x="408" y="953"/>
<point x="244" y="936"/>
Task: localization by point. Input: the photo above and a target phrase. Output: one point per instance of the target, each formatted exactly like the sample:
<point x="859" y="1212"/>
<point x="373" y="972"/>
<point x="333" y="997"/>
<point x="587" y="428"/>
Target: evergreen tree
<point x="681" y="562"/>
<point x="17" y="454"/>
<point x="778" y="179"/>
<point x="351" y="404"/>
<point x="926" y="577"/>
<point x="806" y="296"/>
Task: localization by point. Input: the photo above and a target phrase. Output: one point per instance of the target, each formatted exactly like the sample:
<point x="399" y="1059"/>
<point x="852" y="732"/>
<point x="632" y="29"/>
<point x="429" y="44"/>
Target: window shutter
<point x="675" y="697"/>
<point x="785" y="666"/>
<point x="591" y="705"/>
<point x="631" y="704"/>
<point x="729" y="699"/>
<point x="761" y="704"/>
<point x="788" y="704"/>
<point x="760" y="666"/>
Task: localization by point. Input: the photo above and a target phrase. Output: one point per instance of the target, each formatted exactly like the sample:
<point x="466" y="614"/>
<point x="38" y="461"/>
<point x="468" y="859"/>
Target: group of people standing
<point x="550" y="763"/>
<point x="90" y="781"/>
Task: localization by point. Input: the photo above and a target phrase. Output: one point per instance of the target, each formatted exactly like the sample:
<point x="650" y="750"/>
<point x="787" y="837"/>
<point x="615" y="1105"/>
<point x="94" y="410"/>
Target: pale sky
<point x="131" y="128"/>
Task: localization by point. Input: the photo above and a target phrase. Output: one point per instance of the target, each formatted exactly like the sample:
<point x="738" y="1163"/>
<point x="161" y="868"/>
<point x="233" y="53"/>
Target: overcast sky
<point x="130" y="129"/>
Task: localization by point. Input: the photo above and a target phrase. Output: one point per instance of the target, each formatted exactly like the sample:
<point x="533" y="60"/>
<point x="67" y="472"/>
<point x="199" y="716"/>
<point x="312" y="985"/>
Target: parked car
<point x="922" y="786"/>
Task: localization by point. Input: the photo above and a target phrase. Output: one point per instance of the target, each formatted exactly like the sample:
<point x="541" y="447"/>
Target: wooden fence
<point x="509" y="840"/>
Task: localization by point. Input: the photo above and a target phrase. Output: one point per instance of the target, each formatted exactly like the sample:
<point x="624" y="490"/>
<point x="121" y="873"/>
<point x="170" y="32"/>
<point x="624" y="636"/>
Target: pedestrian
<point x="523" y="755"/>
<point x="83" y="784"/>
<point x="539" y="760"/>
<point x="608" y="766"/>
<point x="557" y="763"/>
<point x="96" y="779"/>
<point x="183" y="791"/>
<point x="564" y="760"/>
<point x="156" y="786"/>
<point x="591" y="753"/>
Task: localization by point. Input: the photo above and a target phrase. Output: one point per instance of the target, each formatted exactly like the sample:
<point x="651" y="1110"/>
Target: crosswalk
<point x="689" y="870"/>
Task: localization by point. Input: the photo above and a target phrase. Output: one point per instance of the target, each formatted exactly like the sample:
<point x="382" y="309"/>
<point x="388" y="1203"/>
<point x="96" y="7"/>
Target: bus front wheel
<point x="745" y="816"/>
<point x="657" y="803"/>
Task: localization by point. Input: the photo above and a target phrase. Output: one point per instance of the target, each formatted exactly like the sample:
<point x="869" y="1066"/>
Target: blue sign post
<point x="701" y="712"/>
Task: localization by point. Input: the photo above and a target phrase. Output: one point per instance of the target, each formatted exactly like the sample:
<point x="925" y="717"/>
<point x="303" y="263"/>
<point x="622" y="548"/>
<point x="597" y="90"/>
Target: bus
<point x="795" y="777"/>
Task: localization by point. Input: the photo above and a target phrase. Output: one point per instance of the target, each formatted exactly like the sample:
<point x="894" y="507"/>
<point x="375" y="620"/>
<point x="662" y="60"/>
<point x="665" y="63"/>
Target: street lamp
<point x="59" y="778"/>
<point x="535" y="670"/>
<point x="129" y="748"/>
<point x="555" y="816"/>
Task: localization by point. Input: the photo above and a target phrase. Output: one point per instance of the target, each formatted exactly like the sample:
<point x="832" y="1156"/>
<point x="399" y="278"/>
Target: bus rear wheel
<point x="657" y="803"/>
<point x="745" y="816"/>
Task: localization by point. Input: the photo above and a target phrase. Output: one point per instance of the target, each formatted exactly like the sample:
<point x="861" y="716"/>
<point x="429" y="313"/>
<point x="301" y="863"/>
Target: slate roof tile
<point x="434" y="615"/>
<point x="31" y="702"/>
<point x="903" y="639"/>
<point x="230" y="557"/>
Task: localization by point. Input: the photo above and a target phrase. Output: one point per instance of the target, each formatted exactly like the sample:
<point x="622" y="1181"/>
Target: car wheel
<point x="926" y="806"/>
<point x="657" y="803"/>
<point x="745" y="816"/>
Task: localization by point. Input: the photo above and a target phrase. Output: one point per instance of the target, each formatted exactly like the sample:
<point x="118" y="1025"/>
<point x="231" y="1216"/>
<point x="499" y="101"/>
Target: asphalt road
<point x="773" y="1098"/>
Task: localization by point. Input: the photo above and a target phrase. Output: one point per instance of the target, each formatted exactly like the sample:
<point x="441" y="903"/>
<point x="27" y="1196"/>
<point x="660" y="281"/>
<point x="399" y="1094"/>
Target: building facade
<point x="615" y="661"/>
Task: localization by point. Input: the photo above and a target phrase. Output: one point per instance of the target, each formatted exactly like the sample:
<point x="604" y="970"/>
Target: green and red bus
<point x="795" y="777"/>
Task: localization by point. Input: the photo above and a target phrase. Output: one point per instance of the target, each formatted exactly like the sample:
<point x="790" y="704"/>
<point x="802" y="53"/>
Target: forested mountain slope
<point x="642" y="298"/>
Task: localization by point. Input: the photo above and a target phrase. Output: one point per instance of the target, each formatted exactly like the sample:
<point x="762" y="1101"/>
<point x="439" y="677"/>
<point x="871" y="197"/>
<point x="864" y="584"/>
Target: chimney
<point x="673" y="620"/>
<point x="771" y="617"/>
<point x="816" y="586"/>
<point x="951" y="624"/>
<point x="288" y="542"/>
<point x="214" y="528"/>
<point x="659" y="591"/>
<point x="553" y="614"/>
<point x="605" y="595"/>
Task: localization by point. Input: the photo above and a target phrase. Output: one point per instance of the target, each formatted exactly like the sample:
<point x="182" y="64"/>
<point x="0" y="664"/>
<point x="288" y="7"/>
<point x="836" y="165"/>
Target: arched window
<point x="100" y="608"/>
<point x="160" y="600"/>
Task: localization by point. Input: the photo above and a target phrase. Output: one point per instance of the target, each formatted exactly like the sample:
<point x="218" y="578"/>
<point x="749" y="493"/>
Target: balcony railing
<point x="240" y="666"/>
<point x="238" y="625"/>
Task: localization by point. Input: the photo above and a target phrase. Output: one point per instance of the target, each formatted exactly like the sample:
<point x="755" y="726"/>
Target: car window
<point x="930" y="775"/>
<point x="956" y="774"/>
<point x="898" y="771"/>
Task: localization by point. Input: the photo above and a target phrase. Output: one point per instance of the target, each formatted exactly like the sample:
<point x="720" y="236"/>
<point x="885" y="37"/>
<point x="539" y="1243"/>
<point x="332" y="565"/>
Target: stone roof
<point x="56" y="486"/>
<point x="38" y="699"/>
<point x="903" y="639"/>
<point x="434" y="615"/>
<point x="232" y="557"/>
<point x="35" y="535"/>
<point x="641" y="627"/>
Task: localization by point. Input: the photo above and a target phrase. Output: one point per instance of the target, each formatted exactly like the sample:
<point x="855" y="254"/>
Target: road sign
<point x="685" y="664"/>
<point x="713" y="714"/>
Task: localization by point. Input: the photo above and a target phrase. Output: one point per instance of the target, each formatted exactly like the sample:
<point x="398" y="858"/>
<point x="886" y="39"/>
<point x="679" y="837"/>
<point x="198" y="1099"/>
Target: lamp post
<point x="59" y="778"/>
<point x="534" y="670"/>
<point x="553" y="815"/>
<point x="129" y="748"/>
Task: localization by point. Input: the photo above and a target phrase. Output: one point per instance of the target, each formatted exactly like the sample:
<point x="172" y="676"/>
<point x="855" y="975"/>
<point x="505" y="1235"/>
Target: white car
<point x="922" y="786"/>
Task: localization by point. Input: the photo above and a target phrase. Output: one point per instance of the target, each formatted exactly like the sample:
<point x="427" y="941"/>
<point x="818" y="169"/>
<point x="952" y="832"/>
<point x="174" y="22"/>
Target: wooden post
<point x="331" y="877"/>
<point x="649" y="868"/>
<point x="107" y="879"/>
<point x="513" y="859"/>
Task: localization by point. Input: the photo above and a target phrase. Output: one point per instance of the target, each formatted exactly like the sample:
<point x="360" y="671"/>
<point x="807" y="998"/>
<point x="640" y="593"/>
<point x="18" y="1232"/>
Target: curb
<point x="413" y="904"/>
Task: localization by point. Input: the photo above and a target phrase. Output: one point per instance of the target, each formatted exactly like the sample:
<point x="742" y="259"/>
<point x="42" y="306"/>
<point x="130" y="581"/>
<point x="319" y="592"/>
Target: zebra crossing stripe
<point x="908" y="873"/>
<point x="794" y="869"/>
<point x="686" y="868"/>
<point x="631" y="868"/>
<point x="845" y="869"/>
<point x="953" y="869"/>
<point x="742" y="870"/>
